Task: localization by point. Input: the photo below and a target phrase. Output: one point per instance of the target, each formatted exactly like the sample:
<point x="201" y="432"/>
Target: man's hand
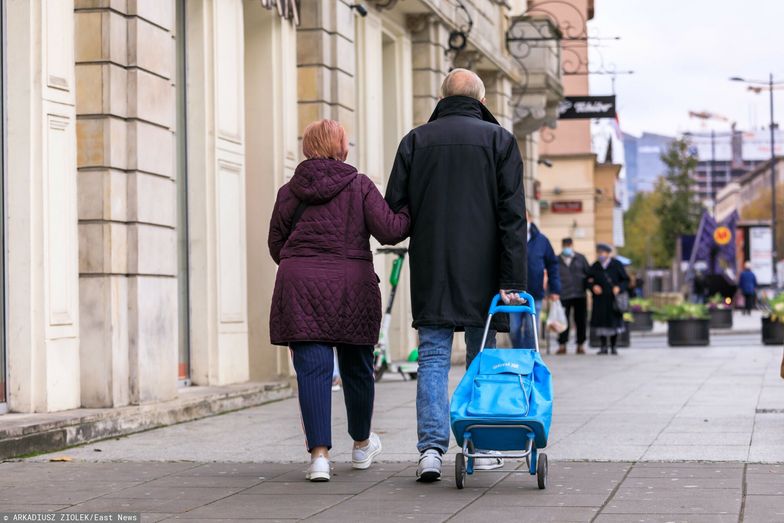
<point x="597" y="289"/>
<point x="510" y="297"/>
<point x="555" y="297"/>
<point x="616" y="290"/>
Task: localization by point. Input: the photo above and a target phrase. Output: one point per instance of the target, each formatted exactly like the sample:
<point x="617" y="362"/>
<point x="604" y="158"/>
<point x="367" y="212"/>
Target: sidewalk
<point x="655" y="434"/>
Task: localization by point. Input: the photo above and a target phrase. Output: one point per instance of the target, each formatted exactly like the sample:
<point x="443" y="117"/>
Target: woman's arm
<point x="385" y="225"/>
<point x="277" y="231"/>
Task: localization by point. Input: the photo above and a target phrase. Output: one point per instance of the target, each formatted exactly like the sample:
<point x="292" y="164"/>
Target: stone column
<point x="42" y="256"/>
<point x="326" y="59"/>
<point x="498" y="94"/>
<point x="127" y="201"/>
<point x="430" y="63"/>
<point x="216" y="191"/>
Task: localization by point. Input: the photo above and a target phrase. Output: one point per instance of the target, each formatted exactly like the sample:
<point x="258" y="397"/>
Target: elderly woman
<point x="326" y="292"/>
<point x="607" y="279"/>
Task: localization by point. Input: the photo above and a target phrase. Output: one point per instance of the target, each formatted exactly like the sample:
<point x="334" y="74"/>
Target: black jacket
<point x="573" y="276"/>
<point x="461" y="175"/>
<point x="603" y="310"/>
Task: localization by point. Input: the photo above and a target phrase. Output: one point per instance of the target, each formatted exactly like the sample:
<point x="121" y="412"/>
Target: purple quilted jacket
<point x="326" y="289"/>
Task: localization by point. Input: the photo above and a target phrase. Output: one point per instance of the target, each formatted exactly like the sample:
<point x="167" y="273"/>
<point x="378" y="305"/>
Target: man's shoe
<point x="561" y="349"/>
<point x="613" y="351"/>
<point x="319" y="469"/>
<point x="491" y="462"/>
<point x="429" y="469"/>
<point x="361" y="458"/>
<point x="580" y="349"/>
<point x="602" y="351"/>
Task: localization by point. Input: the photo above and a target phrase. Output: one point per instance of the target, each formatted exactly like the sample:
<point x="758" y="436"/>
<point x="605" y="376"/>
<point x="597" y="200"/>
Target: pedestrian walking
<point x="573" y="270"/>
<point x="461" y="175"/>
<point x="608" y="280"/>
<point x="748" y="286"/>
<point x="326" y="292"/>
<point x="543" y="278"/>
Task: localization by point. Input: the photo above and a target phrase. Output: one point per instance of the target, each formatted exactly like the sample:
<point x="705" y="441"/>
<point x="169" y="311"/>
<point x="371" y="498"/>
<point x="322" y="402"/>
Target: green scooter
<point x="381" y="363"/>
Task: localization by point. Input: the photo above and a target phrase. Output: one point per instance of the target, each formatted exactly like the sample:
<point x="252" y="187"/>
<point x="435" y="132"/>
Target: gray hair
<point x="464" y="83"/>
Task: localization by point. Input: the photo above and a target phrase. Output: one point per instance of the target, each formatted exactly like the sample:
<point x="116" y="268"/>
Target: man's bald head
<point x="462" y="82"/>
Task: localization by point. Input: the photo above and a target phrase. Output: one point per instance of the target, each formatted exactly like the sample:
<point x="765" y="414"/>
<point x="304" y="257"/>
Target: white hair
<point x="464" y="83"/>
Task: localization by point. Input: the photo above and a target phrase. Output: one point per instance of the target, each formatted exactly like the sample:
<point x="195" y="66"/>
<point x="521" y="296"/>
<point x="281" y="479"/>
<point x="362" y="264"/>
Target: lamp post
<point x="758" y="86"/>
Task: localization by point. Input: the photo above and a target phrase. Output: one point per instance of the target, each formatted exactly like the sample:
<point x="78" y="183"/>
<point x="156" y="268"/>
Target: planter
<point x="772" y="332"/>
<point x="643" y="322"/>
<point x="720" y="318"/>
<point x="624" y="340"/>
<point x="688" y="333"/>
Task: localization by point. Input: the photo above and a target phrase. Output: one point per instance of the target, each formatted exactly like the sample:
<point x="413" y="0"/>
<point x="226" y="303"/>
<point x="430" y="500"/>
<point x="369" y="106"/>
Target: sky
<point x="683" y="53"/>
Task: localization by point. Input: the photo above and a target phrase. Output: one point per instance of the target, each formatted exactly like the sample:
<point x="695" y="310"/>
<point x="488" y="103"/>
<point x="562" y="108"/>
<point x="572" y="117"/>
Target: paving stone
<point x="666" y="518"/>
<point x="532" y="514"/>
<point x="763" y="508"/>
<point x="307" y="488"/>
<point x="137" y="505"/>
<point x="271" y="506"/>
<point x="148" y="491"/>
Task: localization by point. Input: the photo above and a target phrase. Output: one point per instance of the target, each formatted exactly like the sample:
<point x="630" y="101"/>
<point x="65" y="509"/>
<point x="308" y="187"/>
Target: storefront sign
<point x="577" y="107"/>
<point x="566" y="207"/>
<point x="760" y="255"/>
<point x="288" y="9"/>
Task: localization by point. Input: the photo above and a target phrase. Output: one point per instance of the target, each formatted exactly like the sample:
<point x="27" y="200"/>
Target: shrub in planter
<point x="641" y="317"/>
<point x="720" y="310"/>
<point x="773" y="321"/>
<point x="688" y="324"/>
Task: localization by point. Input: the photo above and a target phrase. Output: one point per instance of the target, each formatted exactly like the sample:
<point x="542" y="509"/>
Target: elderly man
<point x="461" y="176"/>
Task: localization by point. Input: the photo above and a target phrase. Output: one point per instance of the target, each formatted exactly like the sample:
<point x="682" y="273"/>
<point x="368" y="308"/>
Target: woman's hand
<point x="597" y="289"/>
<point x="616" y="290"/>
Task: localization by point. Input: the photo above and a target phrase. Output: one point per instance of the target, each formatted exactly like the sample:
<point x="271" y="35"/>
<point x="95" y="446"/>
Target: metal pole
<point x="712" y="179"/>
<point x="773" y="184"/>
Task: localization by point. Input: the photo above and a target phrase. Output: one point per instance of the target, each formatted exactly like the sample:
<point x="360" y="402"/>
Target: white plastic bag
<point x="556" y="319"/>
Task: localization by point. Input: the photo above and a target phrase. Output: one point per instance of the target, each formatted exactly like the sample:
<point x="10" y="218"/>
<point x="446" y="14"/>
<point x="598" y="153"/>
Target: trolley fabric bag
<point x="505" y="386"/>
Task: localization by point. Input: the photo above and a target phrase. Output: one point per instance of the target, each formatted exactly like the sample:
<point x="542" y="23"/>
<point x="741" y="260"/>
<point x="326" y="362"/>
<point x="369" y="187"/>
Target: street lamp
<point x="759" y="85"/>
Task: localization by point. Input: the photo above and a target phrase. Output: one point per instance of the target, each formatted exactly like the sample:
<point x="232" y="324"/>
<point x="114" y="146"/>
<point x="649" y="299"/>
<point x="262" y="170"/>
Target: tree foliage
<point x="641" y="229"/>
<point x="679" y="210"/>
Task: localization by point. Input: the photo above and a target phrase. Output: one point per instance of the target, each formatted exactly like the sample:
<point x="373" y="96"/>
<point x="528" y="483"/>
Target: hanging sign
<point x="566" y="207"/>
<point x="722" y="235"/>
<point x="579" y="107"/>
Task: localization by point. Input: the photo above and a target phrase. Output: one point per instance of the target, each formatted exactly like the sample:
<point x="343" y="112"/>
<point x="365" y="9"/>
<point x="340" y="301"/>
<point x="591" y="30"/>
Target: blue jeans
<point x="432" y="403"/>
<point x="523" y="338"/>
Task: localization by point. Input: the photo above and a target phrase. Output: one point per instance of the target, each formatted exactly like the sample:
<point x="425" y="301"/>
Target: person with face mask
<point x="573" y="269"/>
<point x="607" y="278"/>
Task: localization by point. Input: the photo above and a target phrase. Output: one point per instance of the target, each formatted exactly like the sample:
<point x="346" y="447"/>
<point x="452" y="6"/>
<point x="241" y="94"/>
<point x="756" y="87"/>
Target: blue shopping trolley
<point x="504" y="403"/>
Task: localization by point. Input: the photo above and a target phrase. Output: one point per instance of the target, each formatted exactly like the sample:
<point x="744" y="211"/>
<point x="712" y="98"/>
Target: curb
<point x="726" y="332"/>
<point x="24" y="434"/>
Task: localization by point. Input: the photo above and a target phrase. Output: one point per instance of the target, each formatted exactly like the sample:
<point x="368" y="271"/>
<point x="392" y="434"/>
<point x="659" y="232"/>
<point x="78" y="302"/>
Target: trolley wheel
<point x="412" y="375"/>
<point x="541" y="471"/>
<point x="460" y="470"/>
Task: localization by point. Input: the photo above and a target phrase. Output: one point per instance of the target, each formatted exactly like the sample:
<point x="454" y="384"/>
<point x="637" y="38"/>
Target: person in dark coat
<point x="461" y="176"/>
<point x="748" y="287"/>
<point x="573" y="268"/>
<point x="541" y="261"/>
<point x="607" y="278"/>
<point x="326" y="291"/>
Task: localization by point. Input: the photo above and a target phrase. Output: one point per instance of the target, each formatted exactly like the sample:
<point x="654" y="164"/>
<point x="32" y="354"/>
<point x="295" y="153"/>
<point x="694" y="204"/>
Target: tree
<point x="641" y="231"/>
<point x="679" y="210"/>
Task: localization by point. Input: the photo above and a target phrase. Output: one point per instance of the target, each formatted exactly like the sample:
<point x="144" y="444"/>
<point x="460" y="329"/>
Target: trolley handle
<point x="529" y="307"/>
<point x="498" y="306"/>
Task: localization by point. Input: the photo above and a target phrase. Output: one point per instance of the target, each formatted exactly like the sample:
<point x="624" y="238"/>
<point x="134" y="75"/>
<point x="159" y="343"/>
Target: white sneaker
<point x="361" y="458"/>
<point x="429" y="468"/>
<point x="491" y="462"/>
<point x="319" y="469"/>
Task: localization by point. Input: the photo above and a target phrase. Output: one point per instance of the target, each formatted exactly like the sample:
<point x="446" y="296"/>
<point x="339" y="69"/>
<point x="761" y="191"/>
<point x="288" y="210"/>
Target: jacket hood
<point x="462" y="106"/>
<point x="319" y="180"/>
<point x="534" y="231"/>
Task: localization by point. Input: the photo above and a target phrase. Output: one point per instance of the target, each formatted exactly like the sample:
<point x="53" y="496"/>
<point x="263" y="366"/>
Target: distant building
<point x="643" y="161"/>
<point x="732" y="155"/>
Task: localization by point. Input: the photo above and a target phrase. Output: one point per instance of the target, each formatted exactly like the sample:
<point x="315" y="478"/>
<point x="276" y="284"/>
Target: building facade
<point x="643" y="161"/>
<point x="145" y="142"/>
